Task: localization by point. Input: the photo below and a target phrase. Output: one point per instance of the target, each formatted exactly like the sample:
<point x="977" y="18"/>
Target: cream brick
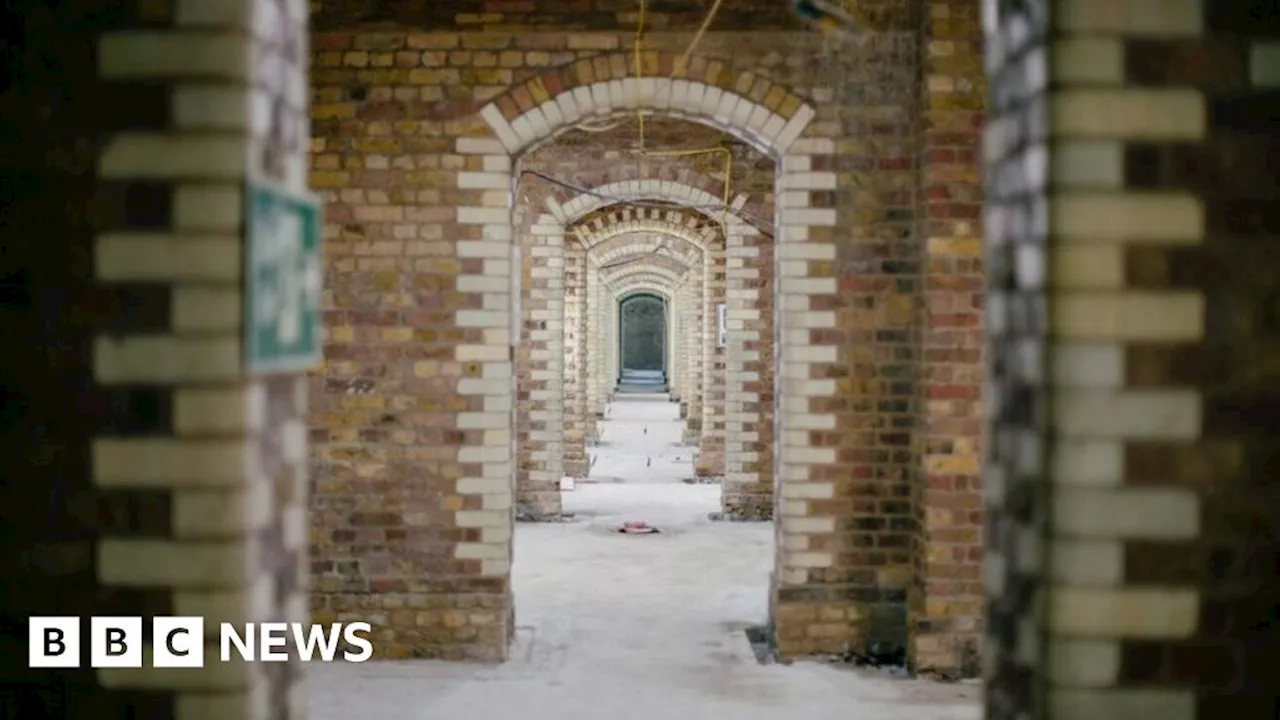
<point x="142" y="54"/>
<point x="794" y="128"/>
<point x="163" y="563"/>
<point x="501" y="128"/>
<point x="166" y="359"/>
<point x="1139" y="18"/>
<point x="164" y="257"/>
<point x="173" y="157"/>
<point x="1129" y="113"/>
<point x="161" y="463"/>
<point x="480" y="551"/>
<point x="1164" y="415"/>
<point x="481" y="146"/>
<point x="1167" y="218"/>
<point x="1264" y="64"/>
<point x="481" y="518"/>
<point x="485" y="180"/>
<point x="1165" y="514"/>
<point x="807" y="560"/>
<point x="1156" y="613"/>
<point x="1130" y="316"/>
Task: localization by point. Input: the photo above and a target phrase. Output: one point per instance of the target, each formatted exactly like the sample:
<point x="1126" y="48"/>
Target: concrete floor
<point x="627" y="627"/>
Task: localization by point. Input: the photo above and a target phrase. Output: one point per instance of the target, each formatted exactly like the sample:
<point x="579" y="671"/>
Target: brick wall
<point x="848" y="265"/>
<point x="134" y="443"/>
<point x="947" y="597"/>
<point x="1132" y="296"/>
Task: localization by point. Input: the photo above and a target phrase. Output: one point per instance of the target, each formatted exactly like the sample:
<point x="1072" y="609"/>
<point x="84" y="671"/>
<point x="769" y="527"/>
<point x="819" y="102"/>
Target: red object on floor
<point x="637" y="527"/>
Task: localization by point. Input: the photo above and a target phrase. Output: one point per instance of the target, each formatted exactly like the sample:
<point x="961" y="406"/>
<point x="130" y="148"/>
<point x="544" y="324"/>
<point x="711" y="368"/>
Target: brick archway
<point x="753" y="208"/>
<point x="618" y="235"/>
<point x="688" y="226"/>
<point x="723" y="428"/>
<point x="744" y="105"/>
<point x="622" y="246"/>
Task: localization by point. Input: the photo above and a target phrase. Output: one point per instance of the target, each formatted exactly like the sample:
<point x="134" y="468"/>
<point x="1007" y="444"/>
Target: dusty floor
<point x="627" y="627"/>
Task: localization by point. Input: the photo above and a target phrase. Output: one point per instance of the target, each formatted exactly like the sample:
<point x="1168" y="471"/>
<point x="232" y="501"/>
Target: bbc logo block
<point x="115" y="642"/>
<point x="54" y="642"/>
<point x="179" y="642"/>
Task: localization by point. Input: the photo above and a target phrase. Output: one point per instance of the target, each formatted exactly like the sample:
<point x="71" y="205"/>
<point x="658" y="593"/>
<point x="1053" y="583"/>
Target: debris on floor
<point x="888" y="657"/>
<point x="637" y="527"/>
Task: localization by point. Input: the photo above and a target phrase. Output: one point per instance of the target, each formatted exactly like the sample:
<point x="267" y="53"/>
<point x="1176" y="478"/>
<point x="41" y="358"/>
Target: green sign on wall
<point x="283" y="277"/>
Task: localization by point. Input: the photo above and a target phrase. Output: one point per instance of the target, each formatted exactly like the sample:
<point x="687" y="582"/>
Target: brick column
<point x="1131" y="559"/>
<point x="674" y="341"/>
<point x="575" y="355"/>
<point x="693" y="405"/>
<point x="613" y="323"/>
<point x="145" y="474"/>
<point x="946" y="595"/>
<point x="746" y="494"/>
<point x="711" y="432"/>
<point x="595" y="357"/>
<point x="541" y="379"/>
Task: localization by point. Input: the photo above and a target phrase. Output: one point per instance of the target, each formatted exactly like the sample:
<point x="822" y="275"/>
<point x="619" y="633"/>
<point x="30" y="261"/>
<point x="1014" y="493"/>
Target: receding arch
<point x="547" y="105"/>
<point x="651" y="221"/>
<point x="623" y="246"/>
<point x="541" y="462"/>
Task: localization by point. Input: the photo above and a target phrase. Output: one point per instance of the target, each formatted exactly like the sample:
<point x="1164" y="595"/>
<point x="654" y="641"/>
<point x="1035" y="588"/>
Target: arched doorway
<point x="642" y="343"/>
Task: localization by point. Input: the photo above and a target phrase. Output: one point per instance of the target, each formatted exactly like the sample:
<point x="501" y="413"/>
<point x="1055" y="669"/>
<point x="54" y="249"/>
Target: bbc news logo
<point x="179" y="642"/>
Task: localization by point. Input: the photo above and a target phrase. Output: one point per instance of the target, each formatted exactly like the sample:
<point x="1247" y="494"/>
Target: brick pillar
<point x="575" y="355"/>
<point x="1133" y="311"/>
<point x="145" y="474"/>
<point x="690" y="302"/>
<point x="747" y="489"/>
<point x="594" y="360"/>
<point x="541" y="377"/>
<point x="711" y="434"/>
<point x="946" y="599"/>
<point x="698" y="358"/>
<point x="611" y="343"/>
<point x="674" y="342"/>
<point x="693" y="404"/>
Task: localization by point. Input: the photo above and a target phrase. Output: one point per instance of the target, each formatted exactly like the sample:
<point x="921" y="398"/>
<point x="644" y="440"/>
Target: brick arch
<point x="540" y="463"/>
<point x="641" y="286"/>
<point x="695" y="199"/>
<point x="622" y="246"/>
<point x="753" y="208"/>
<point x="608" y="224"/>
<point x="748" y="107"/>
<point x="667" y="268"/>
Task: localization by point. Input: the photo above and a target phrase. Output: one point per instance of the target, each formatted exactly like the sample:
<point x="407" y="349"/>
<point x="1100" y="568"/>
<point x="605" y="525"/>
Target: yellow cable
<point x="640" y="65"/>
<point x="697" y="38"/>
